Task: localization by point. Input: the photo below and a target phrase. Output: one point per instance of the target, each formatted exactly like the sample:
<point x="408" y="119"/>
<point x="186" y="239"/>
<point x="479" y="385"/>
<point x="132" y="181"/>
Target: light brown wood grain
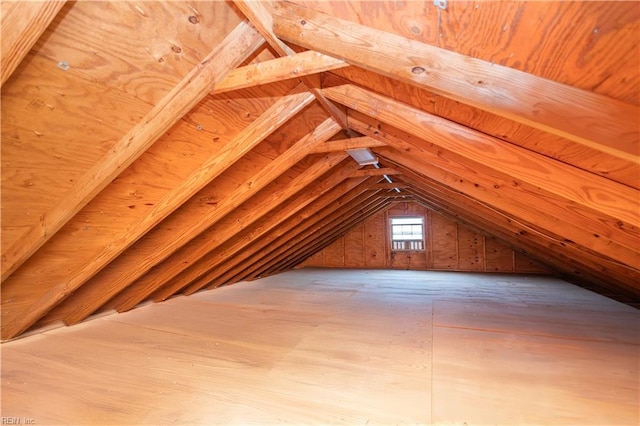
<point x="274" y="226"/>
<point x="586" y="44"/>
<point x="599" y="199"/>
<point x="317" y="232"/>
<point x="100" y="291"/>
<point x="215" y="236"/>
<point x="157" y="121"/>
<point x="597" y="121"/>
<point x="371" y="209"/>
<point x="295" y="66"/>
<point x="561" y="149"/>
<point x="346" y="144"/>
<point x="353" y="255"/>
<point x="287" y="345"/>
<point x="259" y="15"/>
<point x="218" y="119"/>
<point x="605" y="278"/>
<point x="46" y="117"/>
<point x="418" y="97"/>
<point x="376" y="172"/>
<point x="416" y="20"/>
<point x="22" y="25"/>
<point x="141" y="49"/>
<point x="313" y="238"/>
<point x="454" y="184"/>
<point x="316" y="215"/>
<point x="253" y="134"/>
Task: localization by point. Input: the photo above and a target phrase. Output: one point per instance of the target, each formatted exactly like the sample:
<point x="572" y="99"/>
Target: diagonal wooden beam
<point x="23" y="22"/>
<point x="259" y="15"/>
<point x="147" y="254"/>
<point x="346" y="144"/>
<point x="197" y="84"/>
<point x="236" y="249"/>
<point x="300" y="236"/>
<point x="295" y="66"/>
<point x="231" y="232"/>
<point x="301" y="250"/>
<point x="515" y="233"/>
<point x="387" y="185"/>
<point x="389" y="171"/>
<point x="285" y="108"/>
<point x="230" y="267"/>
<point x="594" y="120"/>
<point x="603" y="213"/>
<point x="523" y="212"/>
<point x="304" y="206"/>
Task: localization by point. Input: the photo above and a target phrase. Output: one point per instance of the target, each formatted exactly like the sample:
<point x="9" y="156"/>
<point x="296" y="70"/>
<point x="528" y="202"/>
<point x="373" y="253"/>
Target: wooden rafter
<point x="594" y="120"/>
<point x="285" y="233"/>
<point x="306" y="205"/>
<point x="182" y="98"/>
<point x="181" y="275"/>
<point x="249" y="239"/>
<point x="300" y="251"/>
<point x="295" y="66"/>
<point x="23" y="23"/>
<point x="489" y="221"/>
<point x="304" y="231"/>
<point x="287" y="107"/>
<point x="346" y="144"/>
<point x="558" y="187"/>
<point x="257" y="13"/>
<point x="95" y="293"/>
<point x="376" y="172"/>
<point x="517" y="216"/>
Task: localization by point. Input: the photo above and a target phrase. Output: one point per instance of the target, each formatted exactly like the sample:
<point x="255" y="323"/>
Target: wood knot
<point x="303" y="22"/>
<point x="194" y="19"/>
<point x="176" y="49"/>
<point x="417" y="70"/>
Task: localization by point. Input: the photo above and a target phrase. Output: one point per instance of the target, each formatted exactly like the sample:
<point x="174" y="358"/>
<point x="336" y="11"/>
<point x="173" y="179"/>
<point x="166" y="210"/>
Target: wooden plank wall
<point x="449" y="246"/>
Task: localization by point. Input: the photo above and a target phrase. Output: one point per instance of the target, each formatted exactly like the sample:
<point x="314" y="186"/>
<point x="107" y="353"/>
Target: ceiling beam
<point x="295" y="66"/>
<point x="227" y="265"/>
<point x="214" y="235"/>
<point x="220" y="234"/>
<point x="286" y="107"/>
<point x="23" y="22"/>
<point x="197" y="84"/>
<point x="346" y="144"/>
<point x="387" y="185"/>
<point x="303" y="250"/>
<point x="287" y="232"/>
<point x="597" y="121"/>
<point x="96" y="292"/>
<point x="258" y="236"/>
<point x="603" y="214"/>
<point x="542" y="223"/>
<point x="389" y="171"/>
<point x="303" y="232"/>
<point x="257" y="13"/>
<point x="518" y="235"/>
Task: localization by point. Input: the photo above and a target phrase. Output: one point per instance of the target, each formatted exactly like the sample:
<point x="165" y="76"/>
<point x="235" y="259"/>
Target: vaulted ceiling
<point x="155" y="148"/>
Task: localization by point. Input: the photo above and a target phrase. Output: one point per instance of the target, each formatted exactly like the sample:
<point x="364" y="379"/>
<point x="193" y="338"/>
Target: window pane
<point x="409" y="229"/>
<point x="406" y="220"/>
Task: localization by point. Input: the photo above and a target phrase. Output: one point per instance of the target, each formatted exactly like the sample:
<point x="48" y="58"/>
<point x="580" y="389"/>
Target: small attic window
<point x="407" y="233"/>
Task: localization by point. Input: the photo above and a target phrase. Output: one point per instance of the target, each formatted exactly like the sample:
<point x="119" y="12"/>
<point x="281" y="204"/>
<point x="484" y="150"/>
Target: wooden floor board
<point x="319" y="346"/>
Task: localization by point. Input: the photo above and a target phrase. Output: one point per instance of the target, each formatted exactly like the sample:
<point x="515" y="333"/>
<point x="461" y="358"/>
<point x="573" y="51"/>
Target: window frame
<point x="410" y="243"/>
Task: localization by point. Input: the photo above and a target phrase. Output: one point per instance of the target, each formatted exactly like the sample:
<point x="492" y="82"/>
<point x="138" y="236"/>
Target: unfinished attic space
<point x="320" y="212"/>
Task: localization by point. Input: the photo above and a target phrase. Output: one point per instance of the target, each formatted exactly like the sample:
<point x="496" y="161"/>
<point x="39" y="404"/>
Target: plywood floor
<point x="340" y="347"/>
